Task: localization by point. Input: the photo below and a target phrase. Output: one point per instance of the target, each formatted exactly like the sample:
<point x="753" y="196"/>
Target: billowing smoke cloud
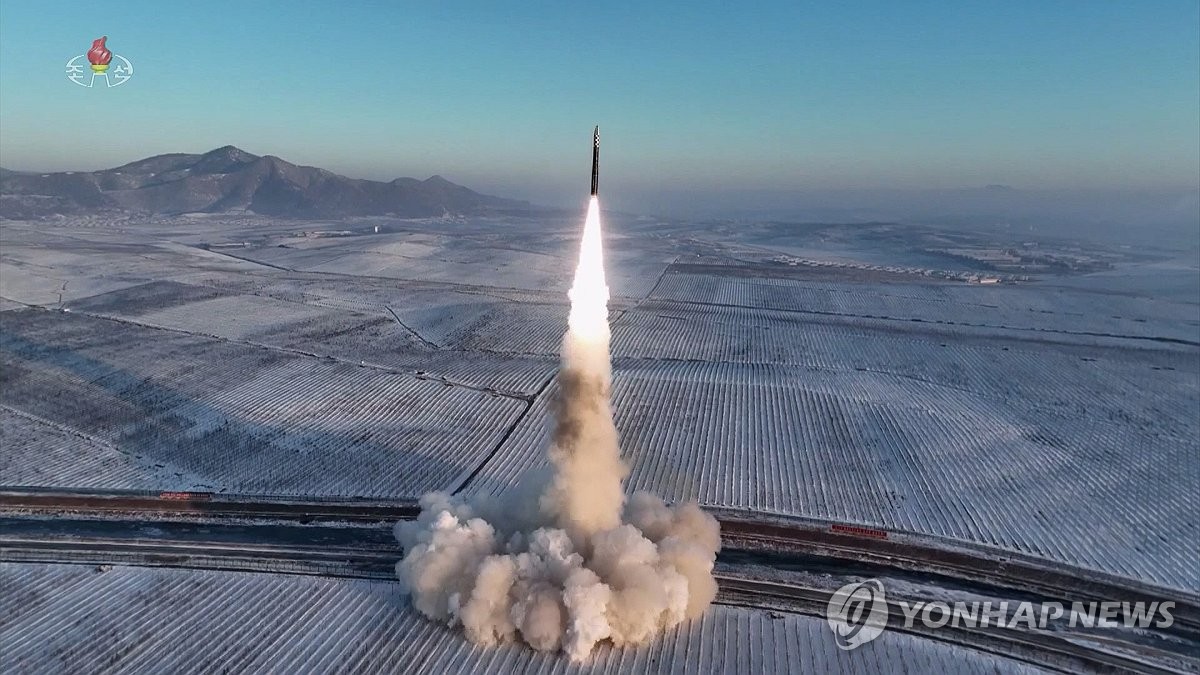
<point x="563" y="561"/>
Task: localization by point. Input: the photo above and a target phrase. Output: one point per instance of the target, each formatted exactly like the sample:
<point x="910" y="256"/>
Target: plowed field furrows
<point x="449" y="261"/>
<point x="1019" y="309"/>
<point x="39" y="265"/>
<point x="39" y="453"/>
<point x="474" y="323"/>
<point x="245" y="419"/>
<point x="36" y="285"/>
<point x="237" y="317"/>
<point x="1081" y="380"/>
<point x="150" y="619"/>
<point x="305" y="322"/>
<point x="897" y="453"/>
<point x="1059" y="416"/>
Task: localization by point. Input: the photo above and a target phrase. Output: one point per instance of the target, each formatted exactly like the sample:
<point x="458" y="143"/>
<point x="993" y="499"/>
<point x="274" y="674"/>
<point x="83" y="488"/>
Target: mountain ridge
<point x="231" y="180"/>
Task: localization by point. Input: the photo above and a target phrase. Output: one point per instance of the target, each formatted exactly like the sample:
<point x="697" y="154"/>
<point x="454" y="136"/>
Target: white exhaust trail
<point x="562" y="561"/>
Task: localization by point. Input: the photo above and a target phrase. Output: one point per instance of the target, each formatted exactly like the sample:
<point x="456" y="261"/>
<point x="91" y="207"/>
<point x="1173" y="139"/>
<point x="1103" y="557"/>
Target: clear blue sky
<point x="503" y="95"/>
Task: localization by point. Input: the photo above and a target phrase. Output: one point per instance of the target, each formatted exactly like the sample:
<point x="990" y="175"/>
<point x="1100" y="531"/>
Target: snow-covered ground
<point x="1059" y="417"/>
<point x="134" y="620"/>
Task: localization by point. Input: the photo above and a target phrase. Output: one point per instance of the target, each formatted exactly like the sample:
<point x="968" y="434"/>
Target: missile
<point x="596" y="161"/>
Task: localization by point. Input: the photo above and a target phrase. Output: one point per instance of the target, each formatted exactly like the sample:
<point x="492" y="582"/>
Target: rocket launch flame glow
<point x="588" y="318"/>
<point x="563" y="560"/>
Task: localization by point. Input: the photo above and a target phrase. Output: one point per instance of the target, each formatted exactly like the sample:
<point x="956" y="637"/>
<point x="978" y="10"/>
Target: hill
<point x="231" y="180"/>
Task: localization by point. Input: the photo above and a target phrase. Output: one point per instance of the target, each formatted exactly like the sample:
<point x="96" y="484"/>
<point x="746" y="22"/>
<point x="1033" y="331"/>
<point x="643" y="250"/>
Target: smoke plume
<point x="563" y="561"/>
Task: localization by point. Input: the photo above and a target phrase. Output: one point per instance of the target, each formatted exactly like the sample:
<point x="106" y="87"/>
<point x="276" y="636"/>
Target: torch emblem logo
<point x="99" y="58"/>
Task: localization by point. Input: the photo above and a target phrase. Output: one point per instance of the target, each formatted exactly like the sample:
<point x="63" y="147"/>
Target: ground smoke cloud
<point x="563" y="561"/>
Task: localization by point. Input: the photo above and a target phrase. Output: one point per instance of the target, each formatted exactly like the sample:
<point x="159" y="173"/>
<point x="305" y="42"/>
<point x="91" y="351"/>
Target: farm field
<point x="248" y="357"/>
<point x="873" y="346"/>
<point x="312" y="624"/>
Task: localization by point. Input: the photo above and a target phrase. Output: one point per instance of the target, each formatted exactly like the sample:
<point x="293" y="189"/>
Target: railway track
<point x="786" y="541"/>
<point x="204" y="504"/>
<point x="866" y="552"/>
<point x="353" y="538"/>
<point x="1066" y="651"/>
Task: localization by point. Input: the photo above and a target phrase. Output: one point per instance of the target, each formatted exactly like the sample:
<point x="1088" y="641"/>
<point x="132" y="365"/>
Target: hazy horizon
<point x="701" y="98"/>
<point x="1167" y="216"/>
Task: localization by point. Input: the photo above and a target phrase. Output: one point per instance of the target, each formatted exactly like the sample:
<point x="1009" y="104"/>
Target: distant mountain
<point x="231" y="180"/>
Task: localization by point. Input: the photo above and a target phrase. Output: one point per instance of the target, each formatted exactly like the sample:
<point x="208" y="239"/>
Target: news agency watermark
<point x="859" y="612"/>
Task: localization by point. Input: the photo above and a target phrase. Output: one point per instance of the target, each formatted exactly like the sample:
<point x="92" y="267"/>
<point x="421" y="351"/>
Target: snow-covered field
<point x="132" y="620"/>
<point x="1059" y="417"/>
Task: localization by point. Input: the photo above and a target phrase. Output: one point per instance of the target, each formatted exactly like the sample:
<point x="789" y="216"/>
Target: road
<point x="783" y="564"/>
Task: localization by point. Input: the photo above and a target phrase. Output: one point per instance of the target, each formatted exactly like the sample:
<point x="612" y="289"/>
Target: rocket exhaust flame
<point x="588" y="319"/>
<point x="562" y="560"/>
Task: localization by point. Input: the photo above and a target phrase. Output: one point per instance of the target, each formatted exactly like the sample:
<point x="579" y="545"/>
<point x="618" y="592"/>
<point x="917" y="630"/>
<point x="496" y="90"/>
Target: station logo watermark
<point x="99" y="64"/>
<point x="859" y="612"/>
